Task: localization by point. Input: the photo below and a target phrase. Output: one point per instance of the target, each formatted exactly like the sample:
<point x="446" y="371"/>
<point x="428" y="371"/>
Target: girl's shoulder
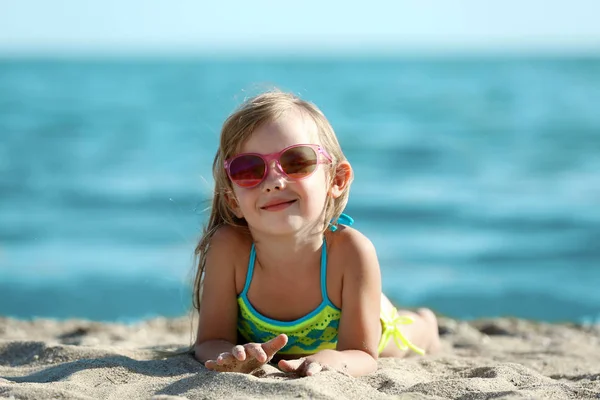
<point x="348" y="246"/>
<point x="351" y="258"/>
<point x="229" y="248"/>
<point x="347" y="239"/>
<point x="232" y="242"/>
<point x="231" y="237"/>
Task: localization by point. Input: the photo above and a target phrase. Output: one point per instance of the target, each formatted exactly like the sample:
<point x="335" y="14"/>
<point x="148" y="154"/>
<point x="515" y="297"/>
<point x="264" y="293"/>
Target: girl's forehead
<point x="287" y="130"/>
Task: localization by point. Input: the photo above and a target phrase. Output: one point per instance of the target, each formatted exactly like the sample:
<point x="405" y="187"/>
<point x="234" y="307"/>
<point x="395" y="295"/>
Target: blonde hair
<point x="238" y="128"/>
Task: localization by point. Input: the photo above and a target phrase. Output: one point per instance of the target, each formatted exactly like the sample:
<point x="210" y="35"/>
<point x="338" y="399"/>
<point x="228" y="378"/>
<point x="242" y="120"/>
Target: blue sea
<point x="477" y="179"/>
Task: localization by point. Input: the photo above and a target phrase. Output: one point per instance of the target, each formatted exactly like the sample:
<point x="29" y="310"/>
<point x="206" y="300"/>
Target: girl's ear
<point x="233" y="204"/>
<point x="343" y="177"/>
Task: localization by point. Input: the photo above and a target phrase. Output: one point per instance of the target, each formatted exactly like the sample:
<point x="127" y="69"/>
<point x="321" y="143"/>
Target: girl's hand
<point x="246" y="358"/>
<point x="302" y="366"/>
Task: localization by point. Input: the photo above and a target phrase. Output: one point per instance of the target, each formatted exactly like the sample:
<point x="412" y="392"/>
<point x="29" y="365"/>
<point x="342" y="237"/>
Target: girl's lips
<point x="278" y="205"/>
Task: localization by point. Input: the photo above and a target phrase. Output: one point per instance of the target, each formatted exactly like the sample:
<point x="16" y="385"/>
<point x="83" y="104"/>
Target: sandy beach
<point x="486" y="359"/>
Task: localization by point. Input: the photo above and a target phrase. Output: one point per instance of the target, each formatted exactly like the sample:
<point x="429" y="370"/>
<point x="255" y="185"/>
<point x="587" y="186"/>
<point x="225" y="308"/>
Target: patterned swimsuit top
<point x="316" y="331"/>
<point x="319" y="329"/>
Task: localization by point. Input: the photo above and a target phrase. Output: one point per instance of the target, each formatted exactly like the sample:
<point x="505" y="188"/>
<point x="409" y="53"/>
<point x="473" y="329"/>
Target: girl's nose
<point x="275" y="179"/>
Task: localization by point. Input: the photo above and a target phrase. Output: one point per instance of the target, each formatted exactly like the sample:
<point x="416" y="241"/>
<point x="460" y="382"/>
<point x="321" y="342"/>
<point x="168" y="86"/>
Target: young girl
<point x="281" y="275"/>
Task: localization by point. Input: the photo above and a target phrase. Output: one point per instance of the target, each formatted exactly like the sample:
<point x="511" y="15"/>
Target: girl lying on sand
<point x="282" y="276"/>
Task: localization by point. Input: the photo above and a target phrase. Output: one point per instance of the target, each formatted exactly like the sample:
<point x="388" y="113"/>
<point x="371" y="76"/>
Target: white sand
<point x="492" y="359"/>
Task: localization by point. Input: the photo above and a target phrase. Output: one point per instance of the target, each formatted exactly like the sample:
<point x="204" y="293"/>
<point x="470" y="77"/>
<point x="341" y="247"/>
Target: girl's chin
<point x="282" y="230"/>
<point x="293" y="227"/>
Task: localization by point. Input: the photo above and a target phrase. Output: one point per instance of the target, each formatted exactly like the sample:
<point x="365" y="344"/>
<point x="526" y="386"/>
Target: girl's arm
<point x="360" y="326"/>
<point x="217" y="328"/>
<point x="352" y="362"/>
<point x="217" y="325"/>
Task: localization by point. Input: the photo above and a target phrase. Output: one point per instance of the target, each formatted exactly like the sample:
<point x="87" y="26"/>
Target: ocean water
<point x="477" y="179"/>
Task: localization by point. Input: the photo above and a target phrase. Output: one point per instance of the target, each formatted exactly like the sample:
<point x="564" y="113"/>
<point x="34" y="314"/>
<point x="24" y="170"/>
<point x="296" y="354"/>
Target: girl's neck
<point x="276" y="252"/>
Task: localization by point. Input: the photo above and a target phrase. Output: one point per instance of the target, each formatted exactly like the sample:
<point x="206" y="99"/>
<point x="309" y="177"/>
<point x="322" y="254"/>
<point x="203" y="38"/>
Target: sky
<point x="64" y="27"/>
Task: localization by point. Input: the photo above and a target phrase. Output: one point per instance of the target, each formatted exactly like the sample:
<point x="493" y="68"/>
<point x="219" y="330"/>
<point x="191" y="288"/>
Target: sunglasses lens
<point x="247" y="171"/>
<point x="299" y="162"/>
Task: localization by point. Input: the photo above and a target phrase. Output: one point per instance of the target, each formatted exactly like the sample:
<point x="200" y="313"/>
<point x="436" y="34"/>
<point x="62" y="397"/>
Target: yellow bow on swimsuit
<point x="391" y="329"/>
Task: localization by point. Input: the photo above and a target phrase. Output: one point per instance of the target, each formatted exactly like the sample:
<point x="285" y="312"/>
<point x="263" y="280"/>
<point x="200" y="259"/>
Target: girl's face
<point x="280" y="205"/>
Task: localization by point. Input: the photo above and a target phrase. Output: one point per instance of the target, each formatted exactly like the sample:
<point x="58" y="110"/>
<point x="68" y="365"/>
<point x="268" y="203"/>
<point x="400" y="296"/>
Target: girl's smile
<point x="277" y="204"/>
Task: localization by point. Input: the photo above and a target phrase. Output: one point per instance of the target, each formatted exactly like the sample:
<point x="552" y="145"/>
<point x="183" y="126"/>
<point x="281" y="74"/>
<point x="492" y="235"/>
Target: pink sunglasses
<point x="299" y="161"/>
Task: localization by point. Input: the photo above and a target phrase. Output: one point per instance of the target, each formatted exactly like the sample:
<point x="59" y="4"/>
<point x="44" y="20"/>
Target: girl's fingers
<point x="251" y="356"/>
<point x="301" y="366"/>
<point x="274" y="345"/>
<point x="290" y="365"/>
<point x="313" y="368"/>
<point x="225" y="358"/>
<point x="257" y="352"/>
<point x="239" y="352"/>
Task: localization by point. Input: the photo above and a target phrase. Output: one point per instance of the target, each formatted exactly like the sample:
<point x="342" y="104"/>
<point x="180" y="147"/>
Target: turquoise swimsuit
<point x="317" y="330"/>
<point x="314" y="332"/>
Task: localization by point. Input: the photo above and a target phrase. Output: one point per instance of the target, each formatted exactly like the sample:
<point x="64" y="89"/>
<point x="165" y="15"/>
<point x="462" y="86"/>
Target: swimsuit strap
<point x="324" y="273"/>
<point x="252" y="260"/>
<point x="250" y="271"/>
<point x="342" y="219"/>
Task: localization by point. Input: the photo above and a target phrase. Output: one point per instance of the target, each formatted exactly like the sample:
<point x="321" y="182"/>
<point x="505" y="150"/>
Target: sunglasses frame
<point x="267" y="158"/>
